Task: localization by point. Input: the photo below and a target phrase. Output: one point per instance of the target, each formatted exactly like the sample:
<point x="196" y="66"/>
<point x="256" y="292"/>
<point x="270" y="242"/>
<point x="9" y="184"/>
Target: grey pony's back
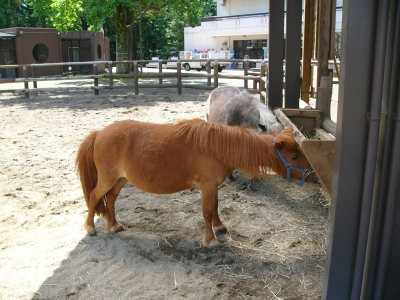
<point x="228" y="105"/>
<point x="217" y="102"/>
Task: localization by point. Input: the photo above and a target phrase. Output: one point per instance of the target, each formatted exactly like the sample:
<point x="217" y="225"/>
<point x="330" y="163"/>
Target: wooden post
<point x="308" y="34"/>
<point x="110" y="79"/>
<point x="178" y="77"/>
<point x="246" y="72"/>
<point x="324" y="95"/>
<point x="324" y="38"/>
<point x="96" y="80"/>
<point x="34" y="75"/>
<point x="208" y="66"/>
<point x="276" y="51"/>
<point x="324" y="91"/>
<point x="160" y="80"/>
<point x="215" y="74"/>
<point x="293" y="53"/>
<point x="26" y="83"/>
<point x="135" y="77"/>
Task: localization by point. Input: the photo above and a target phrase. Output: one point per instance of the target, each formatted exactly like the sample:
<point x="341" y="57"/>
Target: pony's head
<point x="294" y="164"/>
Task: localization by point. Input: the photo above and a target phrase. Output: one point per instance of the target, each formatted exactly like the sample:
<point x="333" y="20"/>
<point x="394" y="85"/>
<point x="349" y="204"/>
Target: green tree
<point x="128" y="15"/>
<point x="16" y="13"/>
<point x="169" y="28"/>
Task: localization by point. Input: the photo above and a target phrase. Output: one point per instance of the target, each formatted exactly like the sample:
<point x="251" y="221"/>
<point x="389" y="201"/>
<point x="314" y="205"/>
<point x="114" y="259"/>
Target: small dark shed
<point x="77" y="46"/>
<point x="25" y="45"/>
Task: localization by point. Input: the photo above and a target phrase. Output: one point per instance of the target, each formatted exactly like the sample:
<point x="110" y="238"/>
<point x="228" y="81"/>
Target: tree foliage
<point x="61" y="14"/>
<point x="157" y="25"/>
<point x="16" y="13"/>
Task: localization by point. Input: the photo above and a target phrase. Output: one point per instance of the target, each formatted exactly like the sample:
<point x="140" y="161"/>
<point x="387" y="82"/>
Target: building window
<point x="40" y="53"/>
<point x="254" y="49"/>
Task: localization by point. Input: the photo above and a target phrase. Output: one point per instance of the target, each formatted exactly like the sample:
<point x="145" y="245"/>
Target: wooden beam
<point x="275" y="45"/>
<point x="293" y="53"/>
<point x="308" y="36"/>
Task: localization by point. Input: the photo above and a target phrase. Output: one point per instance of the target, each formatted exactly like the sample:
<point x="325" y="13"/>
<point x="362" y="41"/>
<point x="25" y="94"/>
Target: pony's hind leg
<point x="95" y="196"/>
<point x="111" y="223"/>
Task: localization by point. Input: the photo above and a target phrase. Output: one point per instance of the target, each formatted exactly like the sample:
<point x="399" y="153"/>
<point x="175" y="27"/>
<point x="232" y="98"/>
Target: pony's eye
<point x="295" y="156"/>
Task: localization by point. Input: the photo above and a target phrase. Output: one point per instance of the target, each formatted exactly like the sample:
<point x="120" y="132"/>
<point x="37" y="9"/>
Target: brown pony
<point x="169" y="158"/>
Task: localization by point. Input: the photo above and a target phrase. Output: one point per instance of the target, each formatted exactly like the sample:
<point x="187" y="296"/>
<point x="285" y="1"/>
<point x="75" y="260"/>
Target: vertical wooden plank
<point x="96" y="80"/>
<point x="160" y="81"/>
<point x="208" y="67"/>
<point x="26" y="83"/>
<point x="275" y="61"/>
<point x="323" y="97"/>
<point x="324" y="38"/>
<point x="215" y="74"/>
<point x="308" y="34"/>
<point x="136" y="77"/>
<point x="245" y="72"/>
<point x="34" y="75"/>
<point x="262" y="83"/>
<point x="110" y="72"/>
<point x="293" y="53"/>
<point x="179" y="77"/>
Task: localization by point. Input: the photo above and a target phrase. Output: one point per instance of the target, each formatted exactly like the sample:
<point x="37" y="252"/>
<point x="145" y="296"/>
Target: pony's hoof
<point x="91" y="230"/>
<point x="214" y="243"/>
<point x="221" y="229"/>
<point x="117" y="227"/>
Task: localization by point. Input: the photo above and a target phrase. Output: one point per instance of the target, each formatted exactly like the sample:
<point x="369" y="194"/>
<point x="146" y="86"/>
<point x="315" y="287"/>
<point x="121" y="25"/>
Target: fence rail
<point x="259" y="78"/>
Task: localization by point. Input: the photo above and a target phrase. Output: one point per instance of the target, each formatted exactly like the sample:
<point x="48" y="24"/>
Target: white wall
<point x="194" y="39"/>
<point x="236" y="26"/>
<point x="221" y="34"/>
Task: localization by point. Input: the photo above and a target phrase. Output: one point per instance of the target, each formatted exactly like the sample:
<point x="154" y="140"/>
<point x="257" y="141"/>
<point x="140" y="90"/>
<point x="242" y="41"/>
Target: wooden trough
<point x="317" y="144"/>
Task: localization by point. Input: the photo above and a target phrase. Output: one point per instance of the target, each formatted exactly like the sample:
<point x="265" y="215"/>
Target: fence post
<point x="26" y="83"/>
<point x="96" y="80"/>
<point x="215" y="74"/>
<point x="160" y="80"/>
<point x="246" y="72"/>
<point x="262" y="82"/>
<point x="34" y="75"/>
<point x="324" y="96"/>
<point x="178" y="77"/>
<point x="135" y="77"/>
<point x="208" y="67"/>
<point x="110" y="79"/>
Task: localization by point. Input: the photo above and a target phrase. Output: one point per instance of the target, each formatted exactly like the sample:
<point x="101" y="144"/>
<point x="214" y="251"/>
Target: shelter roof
<point x="7" y="35"/>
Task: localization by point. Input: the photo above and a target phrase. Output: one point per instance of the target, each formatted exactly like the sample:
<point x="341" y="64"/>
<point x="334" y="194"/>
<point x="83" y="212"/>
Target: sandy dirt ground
<point x="275" y="247"/>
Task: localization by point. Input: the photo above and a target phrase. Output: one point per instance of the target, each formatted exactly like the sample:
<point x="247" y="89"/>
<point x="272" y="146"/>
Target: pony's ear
<point x="278" y="145"/>
<point x="262" y="127"/>
<point x="274" y="133"/>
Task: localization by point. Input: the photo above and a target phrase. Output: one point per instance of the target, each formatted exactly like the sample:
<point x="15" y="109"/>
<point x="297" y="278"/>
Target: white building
<point x="241" y="27"/>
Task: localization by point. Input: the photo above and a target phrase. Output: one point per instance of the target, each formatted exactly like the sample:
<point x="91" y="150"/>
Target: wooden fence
<point x="259" y="77"/>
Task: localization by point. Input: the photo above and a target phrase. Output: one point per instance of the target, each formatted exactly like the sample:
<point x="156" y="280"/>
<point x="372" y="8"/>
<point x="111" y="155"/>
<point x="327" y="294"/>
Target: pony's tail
<point x="87" y="171"/>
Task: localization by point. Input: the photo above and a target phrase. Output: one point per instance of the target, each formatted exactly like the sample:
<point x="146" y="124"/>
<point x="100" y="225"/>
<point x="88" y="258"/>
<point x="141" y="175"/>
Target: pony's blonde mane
<point x="237" y="147"/>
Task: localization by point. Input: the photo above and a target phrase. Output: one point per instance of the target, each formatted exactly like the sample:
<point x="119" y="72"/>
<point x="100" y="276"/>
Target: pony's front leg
<point x="111" y="223"/>
<point x="218" y="226"/>
<point x="208" y="202"/>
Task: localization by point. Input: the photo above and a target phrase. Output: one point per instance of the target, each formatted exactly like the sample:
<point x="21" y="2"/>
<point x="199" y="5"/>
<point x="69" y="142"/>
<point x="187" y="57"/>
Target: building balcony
<point x="249" y="24"/>
<point x="252" y="24"/>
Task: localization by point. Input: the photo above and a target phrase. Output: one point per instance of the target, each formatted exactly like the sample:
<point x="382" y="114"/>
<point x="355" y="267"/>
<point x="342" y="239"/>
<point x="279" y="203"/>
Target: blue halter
<point x="289" y="167"/>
